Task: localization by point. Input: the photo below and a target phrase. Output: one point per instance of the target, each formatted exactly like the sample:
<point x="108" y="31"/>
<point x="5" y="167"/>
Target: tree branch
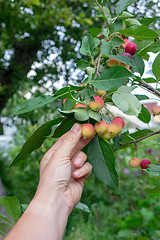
<point x="140" y="139"/>
<point x="98" y="65"/>
<point x="150" y="88"/>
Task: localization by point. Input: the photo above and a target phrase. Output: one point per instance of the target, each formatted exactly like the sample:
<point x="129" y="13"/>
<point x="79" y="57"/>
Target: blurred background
<point x="39" y="49"/>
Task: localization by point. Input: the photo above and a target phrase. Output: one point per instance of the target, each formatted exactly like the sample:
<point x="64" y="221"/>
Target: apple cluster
<point x="103" y="129"/>
<point x="135" y="162"/>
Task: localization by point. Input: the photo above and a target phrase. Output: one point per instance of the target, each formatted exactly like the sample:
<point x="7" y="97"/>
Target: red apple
<point x="144" y="162"/>
<point x="97" y="104"/>
<point x="131" y="48"/>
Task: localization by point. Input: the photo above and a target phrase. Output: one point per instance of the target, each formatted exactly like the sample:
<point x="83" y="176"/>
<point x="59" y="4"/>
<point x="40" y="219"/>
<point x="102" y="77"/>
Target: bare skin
<point x="63" y="171"/>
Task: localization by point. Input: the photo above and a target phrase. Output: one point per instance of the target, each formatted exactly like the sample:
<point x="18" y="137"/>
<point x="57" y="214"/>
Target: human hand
<point x="63" y="169"/>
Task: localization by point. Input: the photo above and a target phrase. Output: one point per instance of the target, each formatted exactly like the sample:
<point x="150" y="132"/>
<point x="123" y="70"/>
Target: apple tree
<point x="113" y="61"/>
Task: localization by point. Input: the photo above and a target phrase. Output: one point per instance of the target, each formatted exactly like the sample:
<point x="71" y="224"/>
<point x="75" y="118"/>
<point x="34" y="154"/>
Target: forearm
<point x="41" y="221"/>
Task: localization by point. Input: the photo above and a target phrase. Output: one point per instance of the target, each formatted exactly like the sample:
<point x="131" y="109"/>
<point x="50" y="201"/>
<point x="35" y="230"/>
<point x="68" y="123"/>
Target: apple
<point x="100" y="127"/>
<point x="124" y="44"/>
<point x="118" y="120"/>
<point x="131" y="48"/>
<point x="156" y="110"/>
<point x="126" y="54"/>
<point x="114" y="128"/>
<point x="100" y="92"/>
<point x="97" y="104"/>
<point x="112" y="62"/>
<point x="134" y="162"/>
<point x="80" y="105"/>
<point x="144" y="162"/>
<point x="87" y="130"/>
<point x="64" y="100"/>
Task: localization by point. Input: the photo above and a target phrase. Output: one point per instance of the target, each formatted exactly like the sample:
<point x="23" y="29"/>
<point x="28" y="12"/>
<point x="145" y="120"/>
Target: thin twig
<point x="149" y="87"/>
<point x="140" y="139"/>
<point x="101" y="8"/>
<point x="98" y="64"/>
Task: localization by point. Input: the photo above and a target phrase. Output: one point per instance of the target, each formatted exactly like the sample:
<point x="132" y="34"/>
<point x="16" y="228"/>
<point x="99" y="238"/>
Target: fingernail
<point x="77" y="173"/>
<point x="75" y="128"/>
<point x="79" y="162"/>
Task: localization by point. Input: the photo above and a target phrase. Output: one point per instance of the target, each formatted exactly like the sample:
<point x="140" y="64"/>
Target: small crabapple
<point x="118" y="120"/>
<point x="100" y="127"/>
<point x="126" y="54"/>
<point x="97" y="104"/>
<point x="77" y="105"/>
<point x="87" y="130"/>
<point x="100" y="92"/>
<point x="131" y="48"/>
<point x="134" y="162"/>
<point x="114" y="129"/>
<point x="112" y="62"/>
<point x="144" y="162"/>
<point x="156" y="110"/>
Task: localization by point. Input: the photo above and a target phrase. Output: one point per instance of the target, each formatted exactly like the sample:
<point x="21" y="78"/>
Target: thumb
<point x="69" y="141"/>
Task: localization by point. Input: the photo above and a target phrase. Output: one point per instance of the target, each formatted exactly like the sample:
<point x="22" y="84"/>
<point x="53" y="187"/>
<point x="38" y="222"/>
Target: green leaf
<point x="94" y="31"/>
<point x="81" y="114"/>
<point x="125" y="15"/>
<point x="101" y="156"/>
<point x="12" y="207"/>
<point x="141" y="97"/>
<point x="122" y="4"/>
<point x="4" y="218"/>
<point x="153" y="190"/>
<point x="35" y="140"/>
<point x="94" y="115"/>
<point x="150" y="80"/>
<point x="83" y="207"/>
<point x="116" y="42"/>
<point x="68" y="105"/>
<point x="144" y="115"/>
<point x="153" y="170"/>
<point x="134" y="136"/>
<point x="156" y="67"/>
<point x="147" y="46"/>
<point x="112" y="78"/>
<point x="139" y="63"/>
<point x="64" y="127"/>
<point x="132" y="21"/>
<point x="3" y="227"/>
<point x="95" y="42"/>
<point x="86" y="46"/>
<point x="140" y="33"/>
<point x="38" y="102"/>
<point x="106" y="48"/>
<point x="147" y="214"/>
<point x="33" y="104"/>
<point x="123" y="59"/>
<point x="147" y="21"/>
<point x="82" y="65"/>
<point x="126" y="89"/>
<point x="127" y="102"/>
<point x="105" y="32"/>
<point x="24" y="207"/>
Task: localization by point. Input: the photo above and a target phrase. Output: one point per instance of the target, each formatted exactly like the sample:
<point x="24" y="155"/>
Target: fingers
<point x="83" y="172"/>
<point x="69" y="142"/>
<point x="46" y="158"/>
<point x="82" y="169"/>
<point x="80" y="145"/>
<point x="79" y="159"/>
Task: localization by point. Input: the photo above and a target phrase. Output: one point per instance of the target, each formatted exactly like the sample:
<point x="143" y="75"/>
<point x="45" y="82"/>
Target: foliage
<point x="98" y="46"/>
<point x="118" y="82"/>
